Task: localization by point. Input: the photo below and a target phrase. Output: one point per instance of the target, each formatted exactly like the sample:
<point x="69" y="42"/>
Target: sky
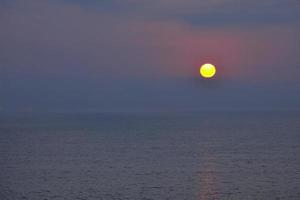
<point x="141" y="55"/>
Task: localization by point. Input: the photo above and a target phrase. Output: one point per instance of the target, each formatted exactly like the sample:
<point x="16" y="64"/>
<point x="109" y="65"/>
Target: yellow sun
<point x="207" y="70"/>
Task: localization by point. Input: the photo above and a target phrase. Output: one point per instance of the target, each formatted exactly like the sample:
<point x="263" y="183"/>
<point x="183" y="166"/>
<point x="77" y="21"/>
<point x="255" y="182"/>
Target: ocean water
<point x="175" y="156"/>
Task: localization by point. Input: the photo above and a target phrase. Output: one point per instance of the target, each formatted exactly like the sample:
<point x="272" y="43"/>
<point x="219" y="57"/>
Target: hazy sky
<point x="142" y="55"/>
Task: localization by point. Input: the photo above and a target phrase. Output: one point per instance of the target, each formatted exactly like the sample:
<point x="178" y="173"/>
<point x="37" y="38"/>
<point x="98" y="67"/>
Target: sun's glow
<point x="207" y="70"/>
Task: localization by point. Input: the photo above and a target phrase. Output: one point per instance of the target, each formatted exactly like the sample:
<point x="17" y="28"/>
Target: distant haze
<point x="139" y="55"/>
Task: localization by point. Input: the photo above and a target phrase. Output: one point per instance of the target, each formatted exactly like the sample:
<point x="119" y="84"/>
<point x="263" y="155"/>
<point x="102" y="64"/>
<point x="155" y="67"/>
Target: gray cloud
<point x="203" y="13"/>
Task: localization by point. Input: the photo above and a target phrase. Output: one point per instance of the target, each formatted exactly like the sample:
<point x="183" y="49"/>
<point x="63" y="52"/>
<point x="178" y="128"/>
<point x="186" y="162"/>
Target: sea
<point x="150" y="156"/>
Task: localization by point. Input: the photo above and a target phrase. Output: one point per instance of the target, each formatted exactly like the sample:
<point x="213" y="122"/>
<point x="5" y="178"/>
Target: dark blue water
<point x="176" y="156"/>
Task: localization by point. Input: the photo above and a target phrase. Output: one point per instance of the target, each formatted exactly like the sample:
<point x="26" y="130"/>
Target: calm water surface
<point x="180" y="156"/>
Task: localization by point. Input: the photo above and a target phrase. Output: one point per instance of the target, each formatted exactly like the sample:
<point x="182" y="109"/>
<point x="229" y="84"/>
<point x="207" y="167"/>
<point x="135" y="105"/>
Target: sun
<point x="208" y="70"/>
